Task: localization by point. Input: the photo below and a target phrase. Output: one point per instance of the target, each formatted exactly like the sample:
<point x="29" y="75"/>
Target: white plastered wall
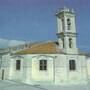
<point x="42" y="76"/>
<point x="88" y="67"/>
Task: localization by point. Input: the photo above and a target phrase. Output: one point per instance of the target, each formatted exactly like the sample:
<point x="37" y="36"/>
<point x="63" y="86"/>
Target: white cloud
<point x="15" y="42"/>
<point x="5" y="43"/>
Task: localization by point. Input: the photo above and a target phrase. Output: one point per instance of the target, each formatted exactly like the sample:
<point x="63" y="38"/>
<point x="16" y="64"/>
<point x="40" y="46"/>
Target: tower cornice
<point x="64" y="10"/>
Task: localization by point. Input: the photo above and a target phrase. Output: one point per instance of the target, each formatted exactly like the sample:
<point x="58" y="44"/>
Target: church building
<point x="59" y="62"/>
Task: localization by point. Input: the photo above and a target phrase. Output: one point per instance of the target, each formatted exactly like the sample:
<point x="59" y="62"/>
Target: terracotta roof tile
<point x="42" y="48"/>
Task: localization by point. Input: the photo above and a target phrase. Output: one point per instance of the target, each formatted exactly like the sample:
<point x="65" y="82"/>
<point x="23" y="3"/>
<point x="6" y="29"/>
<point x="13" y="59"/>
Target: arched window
<point x="70" y="43"/>
<point x="68" y="24"/>
<point x="72" y="65"/>
<point x="42" y="64"/>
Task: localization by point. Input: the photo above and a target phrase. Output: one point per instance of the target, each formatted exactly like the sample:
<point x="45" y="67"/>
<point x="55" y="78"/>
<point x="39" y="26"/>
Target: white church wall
<point x="42" y="75"/>
<point x="18" y="75"/>
<point x="28" y="68"/>
<point x="0" y="67"/>
<point x="65" y="76"/>
<point x="24" y="74"/>
<point x="60" y="69"/>
<point x="78" y="75"/>
<point x="0" y="74"/>
<point x="57" y="69"/>
<point x="14" y="74"/>
<point x="5" y="66"/>
<point x="29" y="72"/>
<point x="88" y="67"/>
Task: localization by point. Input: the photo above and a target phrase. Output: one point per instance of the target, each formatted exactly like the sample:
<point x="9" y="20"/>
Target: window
<point x="72" y="65"/>
<point x="68" y="24"/>
<point x="18" y="64"/>
<point x="70" y="43"/>
<point x="62" y="24"/>
<point x="43" y="65"/>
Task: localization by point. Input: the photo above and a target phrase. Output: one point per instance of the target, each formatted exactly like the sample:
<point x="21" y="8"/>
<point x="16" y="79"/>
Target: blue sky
<point x="34" y="20"/>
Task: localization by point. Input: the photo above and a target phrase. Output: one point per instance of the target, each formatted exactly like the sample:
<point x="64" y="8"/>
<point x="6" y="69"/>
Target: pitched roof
<point x="42" y="48"/>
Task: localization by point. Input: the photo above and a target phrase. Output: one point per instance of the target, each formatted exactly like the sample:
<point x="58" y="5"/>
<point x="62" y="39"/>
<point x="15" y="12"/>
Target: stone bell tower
<point x="67" y="30"/>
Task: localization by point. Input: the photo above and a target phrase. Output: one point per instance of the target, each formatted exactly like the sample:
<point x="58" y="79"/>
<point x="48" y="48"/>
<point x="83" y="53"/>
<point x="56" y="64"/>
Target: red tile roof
<point x="42" y="48"/>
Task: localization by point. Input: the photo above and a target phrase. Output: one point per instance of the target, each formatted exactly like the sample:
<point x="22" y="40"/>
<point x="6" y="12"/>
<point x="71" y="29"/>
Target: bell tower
<point x="66" y="30"/>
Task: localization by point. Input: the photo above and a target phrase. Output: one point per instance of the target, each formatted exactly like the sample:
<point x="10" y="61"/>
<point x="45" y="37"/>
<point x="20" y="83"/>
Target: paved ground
<point x="10" y="85"/>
